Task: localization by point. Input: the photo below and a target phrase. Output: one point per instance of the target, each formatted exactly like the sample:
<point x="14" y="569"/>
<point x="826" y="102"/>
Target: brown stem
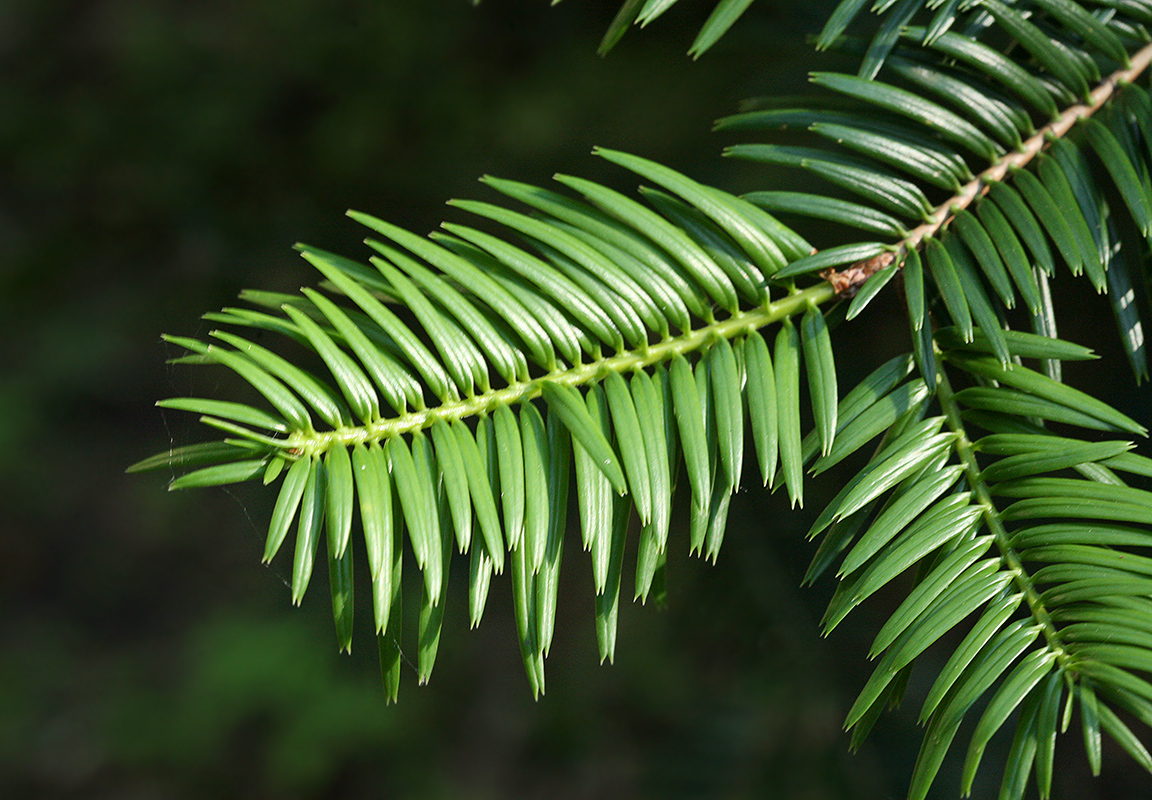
<point x="849" y="280"/>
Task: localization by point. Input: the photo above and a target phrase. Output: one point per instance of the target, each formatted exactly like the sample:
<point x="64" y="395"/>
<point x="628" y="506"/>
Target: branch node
<point x="849" y="281"/>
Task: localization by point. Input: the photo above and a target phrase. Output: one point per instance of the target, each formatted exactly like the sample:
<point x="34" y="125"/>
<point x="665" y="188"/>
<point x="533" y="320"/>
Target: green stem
<point x="965" y="452"/>
<point x="311" y="443"/>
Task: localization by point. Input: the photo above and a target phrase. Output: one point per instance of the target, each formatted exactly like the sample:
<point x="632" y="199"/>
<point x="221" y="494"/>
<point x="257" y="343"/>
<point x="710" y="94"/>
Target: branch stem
<point x="983" y="496"/>
<point x="312" y="443"/>
<point x="1031" y="147"/>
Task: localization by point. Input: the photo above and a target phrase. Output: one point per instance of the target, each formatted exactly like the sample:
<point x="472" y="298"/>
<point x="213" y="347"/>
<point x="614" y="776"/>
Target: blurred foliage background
<point x="157" y="156"/>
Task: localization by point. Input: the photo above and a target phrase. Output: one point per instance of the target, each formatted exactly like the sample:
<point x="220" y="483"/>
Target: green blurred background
<point x="158" y="156"/>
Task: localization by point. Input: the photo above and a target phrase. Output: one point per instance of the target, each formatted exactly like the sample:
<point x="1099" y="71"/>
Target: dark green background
<point x="158" y="156"/>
